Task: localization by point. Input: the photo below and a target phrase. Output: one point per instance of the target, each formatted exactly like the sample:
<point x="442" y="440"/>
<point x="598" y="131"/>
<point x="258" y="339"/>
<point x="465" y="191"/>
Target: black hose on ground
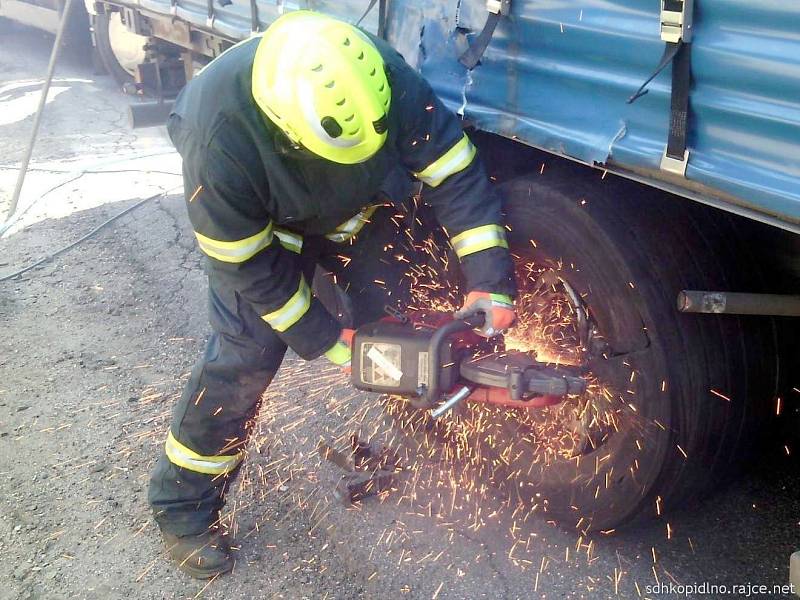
<point x="70" y="246"/>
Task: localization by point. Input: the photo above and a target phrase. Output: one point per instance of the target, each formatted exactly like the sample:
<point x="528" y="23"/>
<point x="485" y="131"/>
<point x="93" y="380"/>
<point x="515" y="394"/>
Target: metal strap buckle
<point x="499" y="7"/>
<point x="675" y="165"/>
<point x="676" y="20"/>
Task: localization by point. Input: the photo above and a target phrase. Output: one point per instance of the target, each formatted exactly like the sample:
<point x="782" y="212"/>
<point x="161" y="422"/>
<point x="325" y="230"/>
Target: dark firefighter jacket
<point x="251" y="197"/>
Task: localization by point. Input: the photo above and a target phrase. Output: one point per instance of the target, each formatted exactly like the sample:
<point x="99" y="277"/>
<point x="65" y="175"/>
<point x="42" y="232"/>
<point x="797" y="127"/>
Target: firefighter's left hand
<point x="498" y="308"/>
<point x="341" y="351"/>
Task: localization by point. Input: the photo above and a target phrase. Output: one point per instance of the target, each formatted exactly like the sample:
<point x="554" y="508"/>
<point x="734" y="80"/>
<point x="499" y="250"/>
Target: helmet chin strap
<point x="285" y="146"/>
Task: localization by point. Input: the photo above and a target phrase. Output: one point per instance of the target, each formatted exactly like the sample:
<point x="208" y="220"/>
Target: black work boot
<point x="201" y="556"/>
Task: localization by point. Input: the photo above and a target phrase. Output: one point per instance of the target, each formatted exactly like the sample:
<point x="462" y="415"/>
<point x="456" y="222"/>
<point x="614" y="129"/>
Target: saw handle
<point x="432" y="393"/>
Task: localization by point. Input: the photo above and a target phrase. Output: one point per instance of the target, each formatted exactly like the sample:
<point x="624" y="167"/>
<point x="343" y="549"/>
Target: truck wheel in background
<point x="674" y="396"/>
<point x="77" y="38"/>
<point x="120" y="50"/>
<point x="675" y="399"/>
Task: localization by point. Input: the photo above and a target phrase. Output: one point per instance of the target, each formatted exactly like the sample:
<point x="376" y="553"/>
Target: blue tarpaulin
<point x="557" y="75"/>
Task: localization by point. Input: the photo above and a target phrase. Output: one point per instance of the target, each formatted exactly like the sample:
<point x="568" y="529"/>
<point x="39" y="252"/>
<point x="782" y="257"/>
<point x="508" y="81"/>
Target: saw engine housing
<point x="424" y="362"/>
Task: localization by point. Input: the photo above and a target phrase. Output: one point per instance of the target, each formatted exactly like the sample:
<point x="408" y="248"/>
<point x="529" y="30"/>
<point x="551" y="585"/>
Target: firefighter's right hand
<point x="341" y="351"/>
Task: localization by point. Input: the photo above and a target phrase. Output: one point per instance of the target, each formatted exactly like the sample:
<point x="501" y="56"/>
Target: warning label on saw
<point x="381" y="364"/>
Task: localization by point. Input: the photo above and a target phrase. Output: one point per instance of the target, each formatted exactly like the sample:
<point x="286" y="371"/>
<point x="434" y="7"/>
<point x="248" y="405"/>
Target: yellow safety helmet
<point x="323" y="82"/>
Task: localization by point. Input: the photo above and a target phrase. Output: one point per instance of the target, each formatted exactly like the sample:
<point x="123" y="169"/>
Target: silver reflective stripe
<point x="479" y="238"/>
<point x="289" y="240"/>
<point x="454" y="160"/>
<point x="447" y="168"/>
<point x="345" y="230"/>
<point x="352" y="226"/>
<point x="338" y="237"/>
<point x="236" y="251"/>
<point x="291" y="312"/>
<point x="212" y="465"/>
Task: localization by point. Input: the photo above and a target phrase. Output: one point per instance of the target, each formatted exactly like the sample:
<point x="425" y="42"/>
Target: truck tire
<point x="676" y="399"/>
<point x="685" y="392"/>
<point x="120" y="50"/>
<point x="77" y="38"/>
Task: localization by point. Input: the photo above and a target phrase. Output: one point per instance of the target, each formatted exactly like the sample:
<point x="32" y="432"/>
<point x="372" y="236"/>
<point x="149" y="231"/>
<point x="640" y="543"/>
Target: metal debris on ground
<point x="369" y="471"/>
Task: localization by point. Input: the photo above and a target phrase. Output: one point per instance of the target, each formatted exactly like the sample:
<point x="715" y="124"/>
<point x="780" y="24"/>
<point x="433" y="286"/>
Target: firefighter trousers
<point x="210" y="423"/>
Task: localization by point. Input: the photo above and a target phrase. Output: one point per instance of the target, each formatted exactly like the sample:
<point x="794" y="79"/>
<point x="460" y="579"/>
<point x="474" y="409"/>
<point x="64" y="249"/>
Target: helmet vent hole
<point x="346" y="41"/>
<point x="383" y="87"/>
<point x="318" y="68"/>
<point x="372" y="73"/>
<point x="341" y="102"/>
<point x="361" y="55"/>
<point x="331" y="127"/>
<point x="330" y="84"/>
<point x="350" y="118"/>
<point x="354" y="132"/>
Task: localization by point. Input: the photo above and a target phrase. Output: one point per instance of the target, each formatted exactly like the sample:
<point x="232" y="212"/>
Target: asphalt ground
<point x="97" y="343"/>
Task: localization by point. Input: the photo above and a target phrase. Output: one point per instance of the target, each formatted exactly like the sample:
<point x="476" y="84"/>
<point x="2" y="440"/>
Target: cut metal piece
<point x="357" y="486"/>
<point x="366" y="458"/>
<point x="368" y="472"/>
<point x="335" y="457"/>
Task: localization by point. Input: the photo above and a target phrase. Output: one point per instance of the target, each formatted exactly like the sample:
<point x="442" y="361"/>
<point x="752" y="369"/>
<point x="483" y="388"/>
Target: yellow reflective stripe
<point x="352" y="226"/>
<point x="479" y="238"/>
<point x="501" y="300"/>
<point x="289" y="240"/>
<point x="291" y="312"/>
<point x="237" y="251"/>
<point x="454" y="160"/>
<point x="182" y="456"/>
<point x="339" y="354"/>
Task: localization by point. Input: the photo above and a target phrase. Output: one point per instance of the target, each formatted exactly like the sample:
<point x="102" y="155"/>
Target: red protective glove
<point x="341" y="351"/>
<point x="498" y="309"/>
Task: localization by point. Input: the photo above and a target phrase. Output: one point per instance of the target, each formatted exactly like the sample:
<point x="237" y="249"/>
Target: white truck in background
<point x="116" y="48"/>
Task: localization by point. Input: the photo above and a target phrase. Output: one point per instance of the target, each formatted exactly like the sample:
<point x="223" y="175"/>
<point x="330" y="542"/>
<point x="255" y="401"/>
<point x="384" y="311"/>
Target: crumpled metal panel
<point x="557" y="76"/>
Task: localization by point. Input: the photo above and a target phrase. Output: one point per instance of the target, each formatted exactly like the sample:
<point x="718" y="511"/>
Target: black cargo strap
<point x="676" y="31"/>
<point x="474" y="53"/>
<point x="382" y="19"/>
<point x="472" y="56"/>
<point x="255" y="26"/>
<point x="381" y="16"/>
<point x="679" y="54"/>
<point x="679" y="102"/>
<point x="670" y="52"/>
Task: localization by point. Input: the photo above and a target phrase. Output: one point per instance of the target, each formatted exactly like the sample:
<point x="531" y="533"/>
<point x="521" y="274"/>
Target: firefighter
<point x="294" y="143"/>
